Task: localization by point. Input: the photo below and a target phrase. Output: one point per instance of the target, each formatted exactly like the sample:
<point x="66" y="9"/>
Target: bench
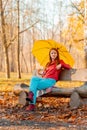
<point x="78" y="95"/>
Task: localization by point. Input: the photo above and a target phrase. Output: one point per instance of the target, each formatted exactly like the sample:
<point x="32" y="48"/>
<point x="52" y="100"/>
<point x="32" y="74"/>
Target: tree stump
<point x="75" y="100"/>
<point x="22" y="98"/>
<point x="82" y="90"/>
<point x="18" y="88"/>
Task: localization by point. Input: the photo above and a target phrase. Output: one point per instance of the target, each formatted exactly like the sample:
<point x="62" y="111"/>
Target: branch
<point x="5" y="4"/>
<point x="21" y="32"/>
<point x="78" y="40"/>
<point x="77" y="9"/>
<point x="29" y="27"/>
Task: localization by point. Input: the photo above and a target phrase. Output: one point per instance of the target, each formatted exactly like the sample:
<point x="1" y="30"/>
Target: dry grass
<point x="8" y="84"/>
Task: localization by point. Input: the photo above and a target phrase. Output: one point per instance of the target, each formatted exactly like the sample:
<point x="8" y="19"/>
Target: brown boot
<point x="30" y="97"/>
<point x="31" y="107"/>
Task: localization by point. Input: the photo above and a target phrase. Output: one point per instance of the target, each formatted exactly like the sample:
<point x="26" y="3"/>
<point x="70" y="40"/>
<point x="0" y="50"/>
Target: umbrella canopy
<point x="41" y="50"/>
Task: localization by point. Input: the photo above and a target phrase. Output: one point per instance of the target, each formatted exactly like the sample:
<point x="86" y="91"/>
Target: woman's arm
<point x="64" y="65"/>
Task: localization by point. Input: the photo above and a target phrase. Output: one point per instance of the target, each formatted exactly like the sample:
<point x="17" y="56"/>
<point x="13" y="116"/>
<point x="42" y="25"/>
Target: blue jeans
<point x="38" y="83"/>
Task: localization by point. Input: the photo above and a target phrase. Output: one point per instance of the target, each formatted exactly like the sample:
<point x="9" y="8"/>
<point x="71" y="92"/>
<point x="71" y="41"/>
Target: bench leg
<point x="75" y="101"/>
<point x="22" y="98"/>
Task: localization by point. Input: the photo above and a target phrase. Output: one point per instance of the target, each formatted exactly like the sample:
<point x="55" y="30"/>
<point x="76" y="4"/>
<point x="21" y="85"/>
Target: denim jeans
<point x="38" y="83"/>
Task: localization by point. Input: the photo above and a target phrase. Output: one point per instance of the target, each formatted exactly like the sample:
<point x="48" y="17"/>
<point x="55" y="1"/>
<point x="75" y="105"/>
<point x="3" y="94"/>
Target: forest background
<point x="24" y="22"/>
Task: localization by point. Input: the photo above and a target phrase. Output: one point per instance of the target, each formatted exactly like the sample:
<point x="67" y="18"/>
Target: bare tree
<point x="18" y="45"/>
<point x="85" y="40"/>
<point x="4" y="40"/>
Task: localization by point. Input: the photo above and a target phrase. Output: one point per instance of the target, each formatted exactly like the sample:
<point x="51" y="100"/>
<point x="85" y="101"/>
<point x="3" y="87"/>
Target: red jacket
<point x="52" y="72"/>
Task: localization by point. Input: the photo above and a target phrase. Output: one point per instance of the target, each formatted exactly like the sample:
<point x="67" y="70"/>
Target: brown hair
<point x="57" y="58"/>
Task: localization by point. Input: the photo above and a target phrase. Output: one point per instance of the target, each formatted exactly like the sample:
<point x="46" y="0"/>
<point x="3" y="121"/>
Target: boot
<point x="31" y="107"/>
<point x="30" y="97"/>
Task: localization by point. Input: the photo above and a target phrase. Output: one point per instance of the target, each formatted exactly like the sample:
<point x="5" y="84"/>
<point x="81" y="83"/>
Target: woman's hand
<point x="40" y="71"/>
<point x="58" y="66"/>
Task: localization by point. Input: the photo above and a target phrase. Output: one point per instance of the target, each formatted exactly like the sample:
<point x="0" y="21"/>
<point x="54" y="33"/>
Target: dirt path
<point x="29" y="125"/>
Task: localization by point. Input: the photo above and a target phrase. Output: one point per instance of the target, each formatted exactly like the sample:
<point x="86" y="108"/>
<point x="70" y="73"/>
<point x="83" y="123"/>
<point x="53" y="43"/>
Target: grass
<point x="8" y="84"/>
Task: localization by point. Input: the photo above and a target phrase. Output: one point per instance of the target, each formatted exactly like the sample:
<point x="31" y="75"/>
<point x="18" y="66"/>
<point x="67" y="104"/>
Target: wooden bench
<point x="78" y="95"/>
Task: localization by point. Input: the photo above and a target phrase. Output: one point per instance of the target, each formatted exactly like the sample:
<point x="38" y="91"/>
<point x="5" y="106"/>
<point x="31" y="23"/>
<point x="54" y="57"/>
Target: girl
<point x="49" y="77"/>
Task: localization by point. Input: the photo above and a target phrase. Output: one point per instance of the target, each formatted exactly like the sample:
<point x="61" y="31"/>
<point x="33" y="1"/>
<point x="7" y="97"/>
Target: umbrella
<point x="41" y="51"/>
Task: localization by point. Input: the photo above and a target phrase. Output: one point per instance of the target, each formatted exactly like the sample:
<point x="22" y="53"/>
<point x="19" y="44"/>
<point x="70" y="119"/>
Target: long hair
<point x="50" y="59"/>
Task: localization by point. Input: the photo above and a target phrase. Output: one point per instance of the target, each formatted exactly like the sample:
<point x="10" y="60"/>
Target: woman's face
<point x="53" y="55"/>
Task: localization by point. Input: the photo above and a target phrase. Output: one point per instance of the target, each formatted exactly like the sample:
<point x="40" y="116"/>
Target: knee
<point x="34" y="78"/>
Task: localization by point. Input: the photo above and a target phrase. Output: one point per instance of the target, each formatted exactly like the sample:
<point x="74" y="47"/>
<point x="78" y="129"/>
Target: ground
<point x="51" y="113"/>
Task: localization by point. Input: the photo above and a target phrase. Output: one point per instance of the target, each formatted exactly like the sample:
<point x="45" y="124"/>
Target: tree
<point x="4" y="40"/>
<point x="18" y="44"/>
<point x="85" y="18"/>
<point x="74" y="33"/>
<point x="81" y="9"/>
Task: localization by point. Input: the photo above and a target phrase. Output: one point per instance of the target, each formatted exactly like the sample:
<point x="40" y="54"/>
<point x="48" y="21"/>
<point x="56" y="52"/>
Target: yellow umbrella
<point x="41" y="51"/>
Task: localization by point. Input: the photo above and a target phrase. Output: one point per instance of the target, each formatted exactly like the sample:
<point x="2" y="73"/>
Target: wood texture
<point x="74" y="75"/>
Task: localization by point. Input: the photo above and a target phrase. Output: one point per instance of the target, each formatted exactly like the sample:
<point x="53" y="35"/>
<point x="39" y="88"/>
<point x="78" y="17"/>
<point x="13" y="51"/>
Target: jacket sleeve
<point x="64" y="65"/>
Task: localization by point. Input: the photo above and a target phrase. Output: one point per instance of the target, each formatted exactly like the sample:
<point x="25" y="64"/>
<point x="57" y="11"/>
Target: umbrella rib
<point x="49" y="43"/>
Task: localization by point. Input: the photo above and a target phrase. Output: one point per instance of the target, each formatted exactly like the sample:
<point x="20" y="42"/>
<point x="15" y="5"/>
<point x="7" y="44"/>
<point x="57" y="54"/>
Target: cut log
<point x="75" y="101"/>
<point x="84" y="101"/>
<point x="22" y="98"/>
<point x="82" y="90"/>
<point x="74" y="75"/>
<point x="56" y="91"/>
<point x="18" y="88"/>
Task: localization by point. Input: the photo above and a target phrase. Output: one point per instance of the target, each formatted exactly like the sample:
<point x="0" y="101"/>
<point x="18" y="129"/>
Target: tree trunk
<point x="4" y="40"/>
<point x="34" y="61"/>
<point x="85" y="40"/>
<point x="18" y="46"/>
<point x="7" y="63"/>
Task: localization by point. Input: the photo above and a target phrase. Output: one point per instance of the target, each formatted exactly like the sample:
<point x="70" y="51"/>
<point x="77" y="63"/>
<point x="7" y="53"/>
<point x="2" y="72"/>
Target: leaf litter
<point x="53" y="111"/>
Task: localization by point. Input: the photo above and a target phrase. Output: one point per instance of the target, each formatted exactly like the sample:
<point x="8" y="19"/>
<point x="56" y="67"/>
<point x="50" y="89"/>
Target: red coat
<point x="52" y="72"/>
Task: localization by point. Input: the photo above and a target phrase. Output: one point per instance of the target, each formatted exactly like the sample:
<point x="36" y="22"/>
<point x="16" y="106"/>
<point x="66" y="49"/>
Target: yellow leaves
<point x="7" y="85"/>
<point x="68" y="84"/>
<point x="82" y="4"/>
<point x="74" y="34"/>
<point x="76" y="26"/>
<point x="5" y="88"/>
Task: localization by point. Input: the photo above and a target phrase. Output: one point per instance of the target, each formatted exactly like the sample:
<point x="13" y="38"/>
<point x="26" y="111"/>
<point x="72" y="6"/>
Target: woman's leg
<point x="33" y="87"/>
<point x="38" y="83"/>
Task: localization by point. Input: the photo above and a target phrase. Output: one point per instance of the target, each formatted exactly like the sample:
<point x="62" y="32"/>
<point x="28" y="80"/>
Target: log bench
<point x="78" y="95"/>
